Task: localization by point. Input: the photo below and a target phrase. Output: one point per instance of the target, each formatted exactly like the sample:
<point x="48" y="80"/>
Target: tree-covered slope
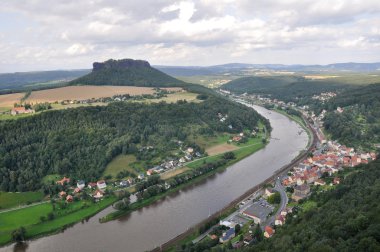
<point x="286" y="88"/>
<point x="359" y="124"/>
<point x="345" y="219"/>
<point x="127" y="72"/>
<point x="80" y="142"/>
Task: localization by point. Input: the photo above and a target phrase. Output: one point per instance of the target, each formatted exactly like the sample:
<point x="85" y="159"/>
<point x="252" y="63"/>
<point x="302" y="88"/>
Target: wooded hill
<point x="345" y="219"/>
<point x="359" y="124"/>
<point x="127" y="72"/>
<point x="81" y="142"/>
<point x="285" y="88"/>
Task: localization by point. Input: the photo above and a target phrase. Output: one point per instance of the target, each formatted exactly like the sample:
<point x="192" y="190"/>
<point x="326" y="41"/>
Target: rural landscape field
<point x="190" y="126"/>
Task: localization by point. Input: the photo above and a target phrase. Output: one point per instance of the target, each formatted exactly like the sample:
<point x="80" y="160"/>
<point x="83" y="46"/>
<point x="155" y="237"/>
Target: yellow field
<point x="220" y="148"/>
<point x="85" y="92"/>
<point x="172" y="98"/>
<point x="8" y="100"/>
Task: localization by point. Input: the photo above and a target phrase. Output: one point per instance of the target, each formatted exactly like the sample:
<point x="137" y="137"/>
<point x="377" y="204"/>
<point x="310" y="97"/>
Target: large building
<point x="258" y="211"/>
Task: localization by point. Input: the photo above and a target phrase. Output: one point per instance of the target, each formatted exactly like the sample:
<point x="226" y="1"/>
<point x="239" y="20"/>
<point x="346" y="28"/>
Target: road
<point x="284" y="201"/>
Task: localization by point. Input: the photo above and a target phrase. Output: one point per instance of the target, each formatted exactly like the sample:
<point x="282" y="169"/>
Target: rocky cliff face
<point x="120" y="64"/>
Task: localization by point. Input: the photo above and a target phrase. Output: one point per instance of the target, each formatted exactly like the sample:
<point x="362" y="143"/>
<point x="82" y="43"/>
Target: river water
<point x="156" y="224"/>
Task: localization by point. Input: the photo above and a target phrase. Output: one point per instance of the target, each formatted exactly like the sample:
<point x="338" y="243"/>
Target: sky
<point x="72" y="34"/>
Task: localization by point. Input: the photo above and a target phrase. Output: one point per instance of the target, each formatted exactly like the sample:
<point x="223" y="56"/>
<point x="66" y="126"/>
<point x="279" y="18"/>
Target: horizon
<point x="184" y="66"/>
<point x="72" y="35"/>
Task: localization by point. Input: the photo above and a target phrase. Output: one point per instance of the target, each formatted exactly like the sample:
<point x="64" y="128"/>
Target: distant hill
<point x="286" y="88"/>
<point x="240" y="68"/>
<point x="127" y="72"/>
<point x="20" y="80"/>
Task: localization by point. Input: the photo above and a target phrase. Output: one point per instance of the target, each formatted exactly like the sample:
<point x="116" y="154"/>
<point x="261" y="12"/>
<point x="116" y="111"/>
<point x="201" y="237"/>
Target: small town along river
<point x="154" y="225"/>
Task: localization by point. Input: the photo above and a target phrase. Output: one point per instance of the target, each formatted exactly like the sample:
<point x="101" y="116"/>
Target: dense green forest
<point x="359" y="124"/>
<point x="127" y="72"/>
<point x="80" y="142"/>
<point x="285" y="88"/>
<point x="345" y="219"/>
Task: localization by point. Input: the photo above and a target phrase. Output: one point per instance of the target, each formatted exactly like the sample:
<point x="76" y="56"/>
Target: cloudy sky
<point x="70" y="34"/>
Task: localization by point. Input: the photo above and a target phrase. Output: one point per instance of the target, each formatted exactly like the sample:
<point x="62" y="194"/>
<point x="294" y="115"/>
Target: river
<point x="156" y="224"/>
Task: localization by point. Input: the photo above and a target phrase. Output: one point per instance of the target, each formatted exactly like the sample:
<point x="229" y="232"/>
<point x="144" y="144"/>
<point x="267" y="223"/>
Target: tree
<point x="274" y="198"/>
<point x="258" y="233"/>
<point x="229" y="155"/>
<point x="237" y="229"/>
<point x="18" y="235"/>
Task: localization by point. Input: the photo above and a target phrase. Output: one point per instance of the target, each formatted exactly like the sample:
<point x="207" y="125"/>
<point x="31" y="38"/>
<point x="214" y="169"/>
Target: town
<point x="258" y="215"/>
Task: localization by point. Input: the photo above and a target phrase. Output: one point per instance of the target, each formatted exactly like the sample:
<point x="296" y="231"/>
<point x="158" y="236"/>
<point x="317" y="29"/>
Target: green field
<point x="30" y="218"/>
<point x="120" y="163"/>
<point x="9" y="199"/>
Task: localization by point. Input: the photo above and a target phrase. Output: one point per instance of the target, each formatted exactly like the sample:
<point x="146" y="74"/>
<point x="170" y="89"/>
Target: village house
<point x="236" y="138"/>
<point x="98" y="194"/>
<point x="101" y="184"/>
<point x="81" y="184"/>
<point x="124" y="183"/>
<point x="77" y="190"/>
<point x="92" y="185"/>
<point x="69" y="198"/>
<point x="268" y="231"/>
<point x="268" y="192"/>
<point x="228" y="235"/>
<point x="336" y="181"/>
<point x="301" y="192"/>
<point x="247" y="239"/>
<point x="62" y="194"/>
<point x="63" y="181"/>
<point x="320" y="182"/>
<point x="280" y="220"/>
<point x="21" y="110"/>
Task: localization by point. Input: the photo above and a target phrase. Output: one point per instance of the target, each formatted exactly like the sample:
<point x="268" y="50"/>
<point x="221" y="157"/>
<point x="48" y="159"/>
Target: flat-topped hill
<point x="127" y="72"/>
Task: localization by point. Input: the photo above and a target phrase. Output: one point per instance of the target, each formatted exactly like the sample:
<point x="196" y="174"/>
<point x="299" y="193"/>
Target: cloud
<point x="202" y="32"/>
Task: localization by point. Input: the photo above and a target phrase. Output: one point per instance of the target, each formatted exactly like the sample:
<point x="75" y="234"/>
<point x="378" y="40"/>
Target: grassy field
<point x="9" y="199"/>
<point x="23" y="217"/>
<point x="120" y="163"/>
<point x="174" y="97"/>
<point x="30" y="218"/>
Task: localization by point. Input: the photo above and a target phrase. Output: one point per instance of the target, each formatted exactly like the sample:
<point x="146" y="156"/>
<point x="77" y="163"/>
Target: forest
<point x="345" y="219"/>
<point x="285" y="88"/>
<point x="359" y="123"/>
<point x="80" y="142"/>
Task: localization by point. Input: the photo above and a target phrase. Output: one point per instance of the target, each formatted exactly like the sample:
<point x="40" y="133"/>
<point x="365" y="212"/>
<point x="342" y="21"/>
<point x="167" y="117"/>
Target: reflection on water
<point x="154" y="225"/>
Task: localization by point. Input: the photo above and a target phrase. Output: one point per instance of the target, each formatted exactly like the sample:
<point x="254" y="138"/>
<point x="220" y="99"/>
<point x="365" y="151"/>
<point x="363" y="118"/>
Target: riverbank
<point x="239" y="155"/>
<point x="194" y="230"/>
<point x="29" y="218"/>
<point x="35" y="227"/>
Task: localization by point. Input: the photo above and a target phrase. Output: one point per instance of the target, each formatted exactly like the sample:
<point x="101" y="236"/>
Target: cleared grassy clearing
<point x="120" y="163"/>
<point x="9" y="199"/>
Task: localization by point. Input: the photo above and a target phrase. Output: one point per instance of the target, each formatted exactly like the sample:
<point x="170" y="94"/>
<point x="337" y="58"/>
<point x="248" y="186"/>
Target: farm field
<point x="7" y="100"/>
<point x="172" y="98"/>
<point x="9" y="199"/>
<point x="220" y="148"/>
<point x="82" y="93"/>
